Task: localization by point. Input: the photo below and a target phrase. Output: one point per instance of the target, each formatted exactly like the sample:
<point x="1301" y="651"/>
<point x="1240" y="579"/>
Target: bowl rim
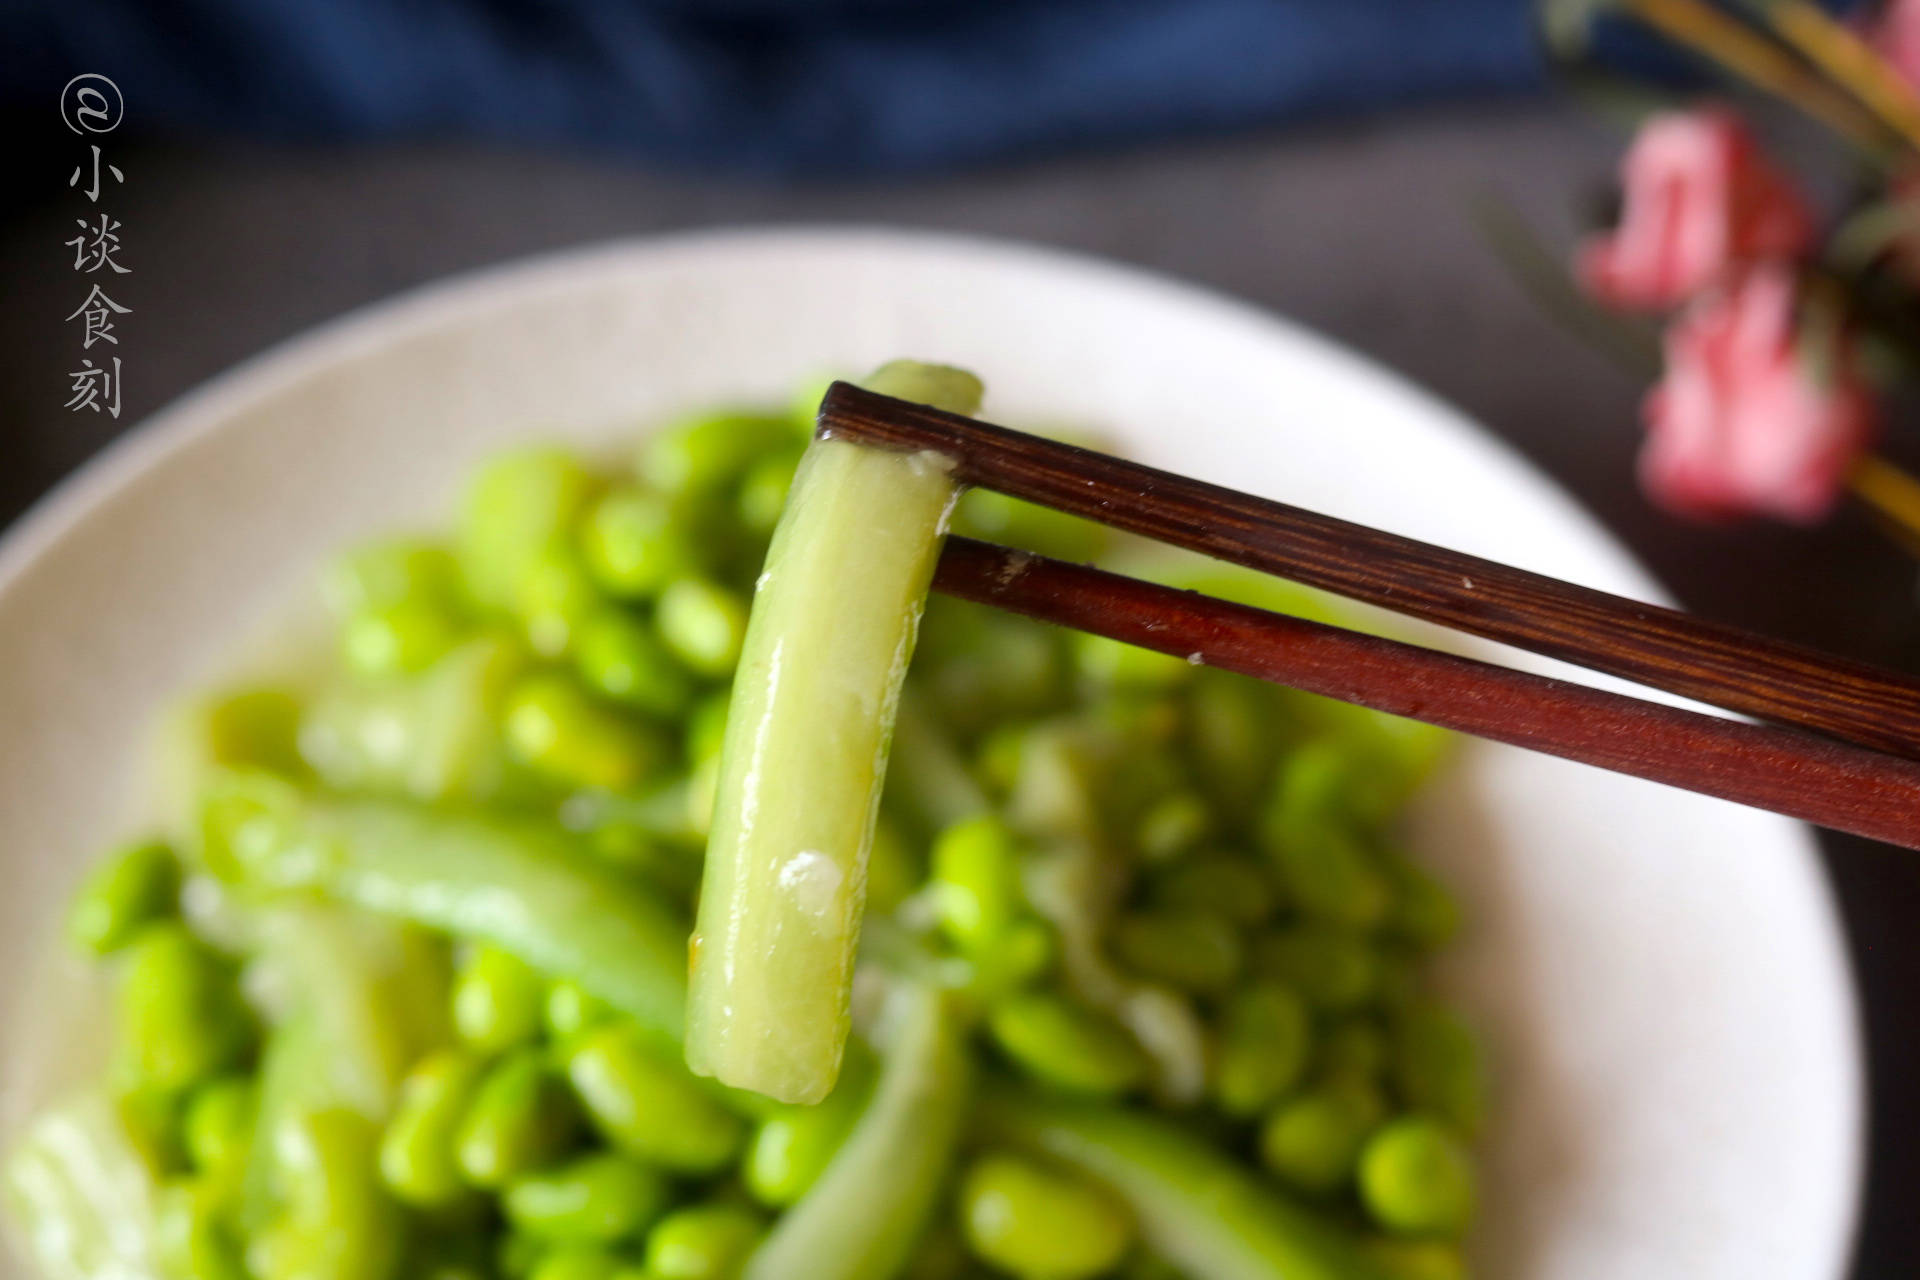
<point x="207" y="407"/>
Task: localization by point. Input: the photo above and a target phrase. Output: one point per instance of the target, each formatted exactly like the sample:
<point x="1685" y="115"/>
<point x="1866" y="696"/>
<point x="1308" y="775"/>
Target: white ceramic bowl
<point x="1661" y="976"/>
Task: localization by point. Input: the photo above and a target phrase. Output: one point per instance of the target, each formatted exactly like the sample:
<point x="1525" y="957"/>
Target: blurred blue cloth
<point x="763" y="85"/>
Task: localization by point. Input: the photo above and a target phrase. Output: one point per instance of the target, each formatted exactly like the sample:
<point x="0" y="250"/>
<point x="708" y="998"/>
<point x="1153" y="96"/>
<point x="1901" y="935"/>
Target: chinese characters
<point x="92" y="104"/>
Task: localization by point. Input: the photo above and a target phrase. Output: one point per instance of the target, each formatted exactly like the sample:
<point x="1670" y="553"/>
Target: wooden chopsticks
<point x="1867" y="782"/>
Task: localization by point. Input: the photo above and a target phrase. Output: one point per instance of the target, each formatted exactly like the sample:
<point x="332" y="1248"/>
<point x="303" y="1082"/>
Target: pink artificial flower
<point x="1698" y="199"/>
<point x="1739" y="423"/>
<point x="1895" y="36"/>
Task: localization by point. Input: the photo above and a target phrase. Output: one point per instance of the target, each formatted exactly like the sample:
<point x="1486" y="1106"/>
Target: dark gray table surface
<point x="1359" y="229"/>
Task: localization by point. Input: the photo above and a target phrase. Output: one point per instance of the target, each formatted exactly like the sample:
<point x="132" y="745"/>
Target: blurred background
<point x="274" y="164"/>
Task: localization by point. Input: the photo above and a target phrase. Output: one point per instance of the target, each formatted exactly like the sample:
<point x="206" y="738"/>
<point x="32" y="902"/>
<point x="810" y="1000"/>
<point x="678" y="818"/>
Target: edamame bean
<point x="1313" y="1141"/>
<point x="1066" y="1045"/>
<point x="181" y="1015"/>
<point x="554" y="599"/>
<point x="702" y="1242"/>
<point x="401" y="638"/>
<point x="650" y="1105"/>
<point x="134" y="887"/>
<point x="1019" y="956"/>
<point x="498" y="1001"/>
<point x="1175" y="825"/>
<point x="1039" y="1224"/>
<point x="709" y="452"/>
<point x="217" y="1126"/>
<point x="1417" y="1179"/>
<point x="763" y="492"/>
<point x="255" y="728"/>
<point x="634" y="545"/>
<point x="976" y="880"/>
<point x="455" y="1250"/>
<point x="1353" y="1048"/>
<point x="702" y="623"/>
<point x="620" y="659"/>
<point x="1335" y="878"/>
<point x="149" y="1118"/>
<point x="596" y="1199"/>
<point x="1417" y="1259"/>
<point x="521" y="1119"/>
<point x="1437" y="1065"/>
<point x="1234" y="888"/>
<point x="553" y="726"/>
<point x="337" y="1222"/>
<point x="516" y="508"/>
<point x="1194" y="950"/>
<point x="189" y="1241"/>
<point x="418" y="1159"/>
<point x="517" y="1255"/>
<point x="707" y="727"/>
<point x="1334" y="968"/>
<point x="792" y="1145"/>
<point x="1266" y="1037"/>
<point x="570" y="1009"/>
<point x="576" y="1262"/>
<point x="387" y="572"/>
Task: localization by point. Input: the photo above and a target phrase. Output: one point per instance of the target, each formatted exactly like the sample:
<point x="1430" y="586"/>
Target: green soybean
<point x="1175" y="825"/>
<point x="861" y="1219"/>
<point x="517" y="507"/>
<point x="1038" y="1224"/>
<point x="570" y="1009"/>
<point x="1067" y="1045"/>
<point x="1312" y="1141"/>
<point x="976" y="880"/>
<point x="1193" y="950"/>
<point x="498" y="1001"/>
<point x="763" y="491"/>
<point x="399" y="639"/>
<point x="1417" y="1259"/>
<point x="135" y="886"/>
<point x="576" y="1262"/>
<point x="337" y="1222"/>
<point x="555" y="599"/>
<point x="1334" y="968"/>
<point x="1417" y="1178"/>
<point x="521" y="1119"/>
<point x="554" y="726"/>
<point x="596" y="1199"/>
<point x="646" y="1103"/>
<point x="619" y="658"/>
<point x="418" y="1154"/>
<point x="1266" y="1038"/>
<point x="216" y="1127"/>
<point x="378" y="575"/>
<point x="1353" y="1048"/>
<point x="634" y="544"/>
<point x="710" y="451"/>
<point x="703" y="624"/>
<point x="1234" y="888"/>
<point x="703" y="1242"/>
<point x="189" y="1240"/>
<point x="792" y="1146"/>
<point x="181" y="1015"/>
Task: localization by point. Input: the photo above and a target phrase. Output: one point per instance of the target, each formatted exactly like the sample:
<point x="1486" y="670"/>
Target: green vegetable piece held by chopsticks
<point x="826" y="648"/>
